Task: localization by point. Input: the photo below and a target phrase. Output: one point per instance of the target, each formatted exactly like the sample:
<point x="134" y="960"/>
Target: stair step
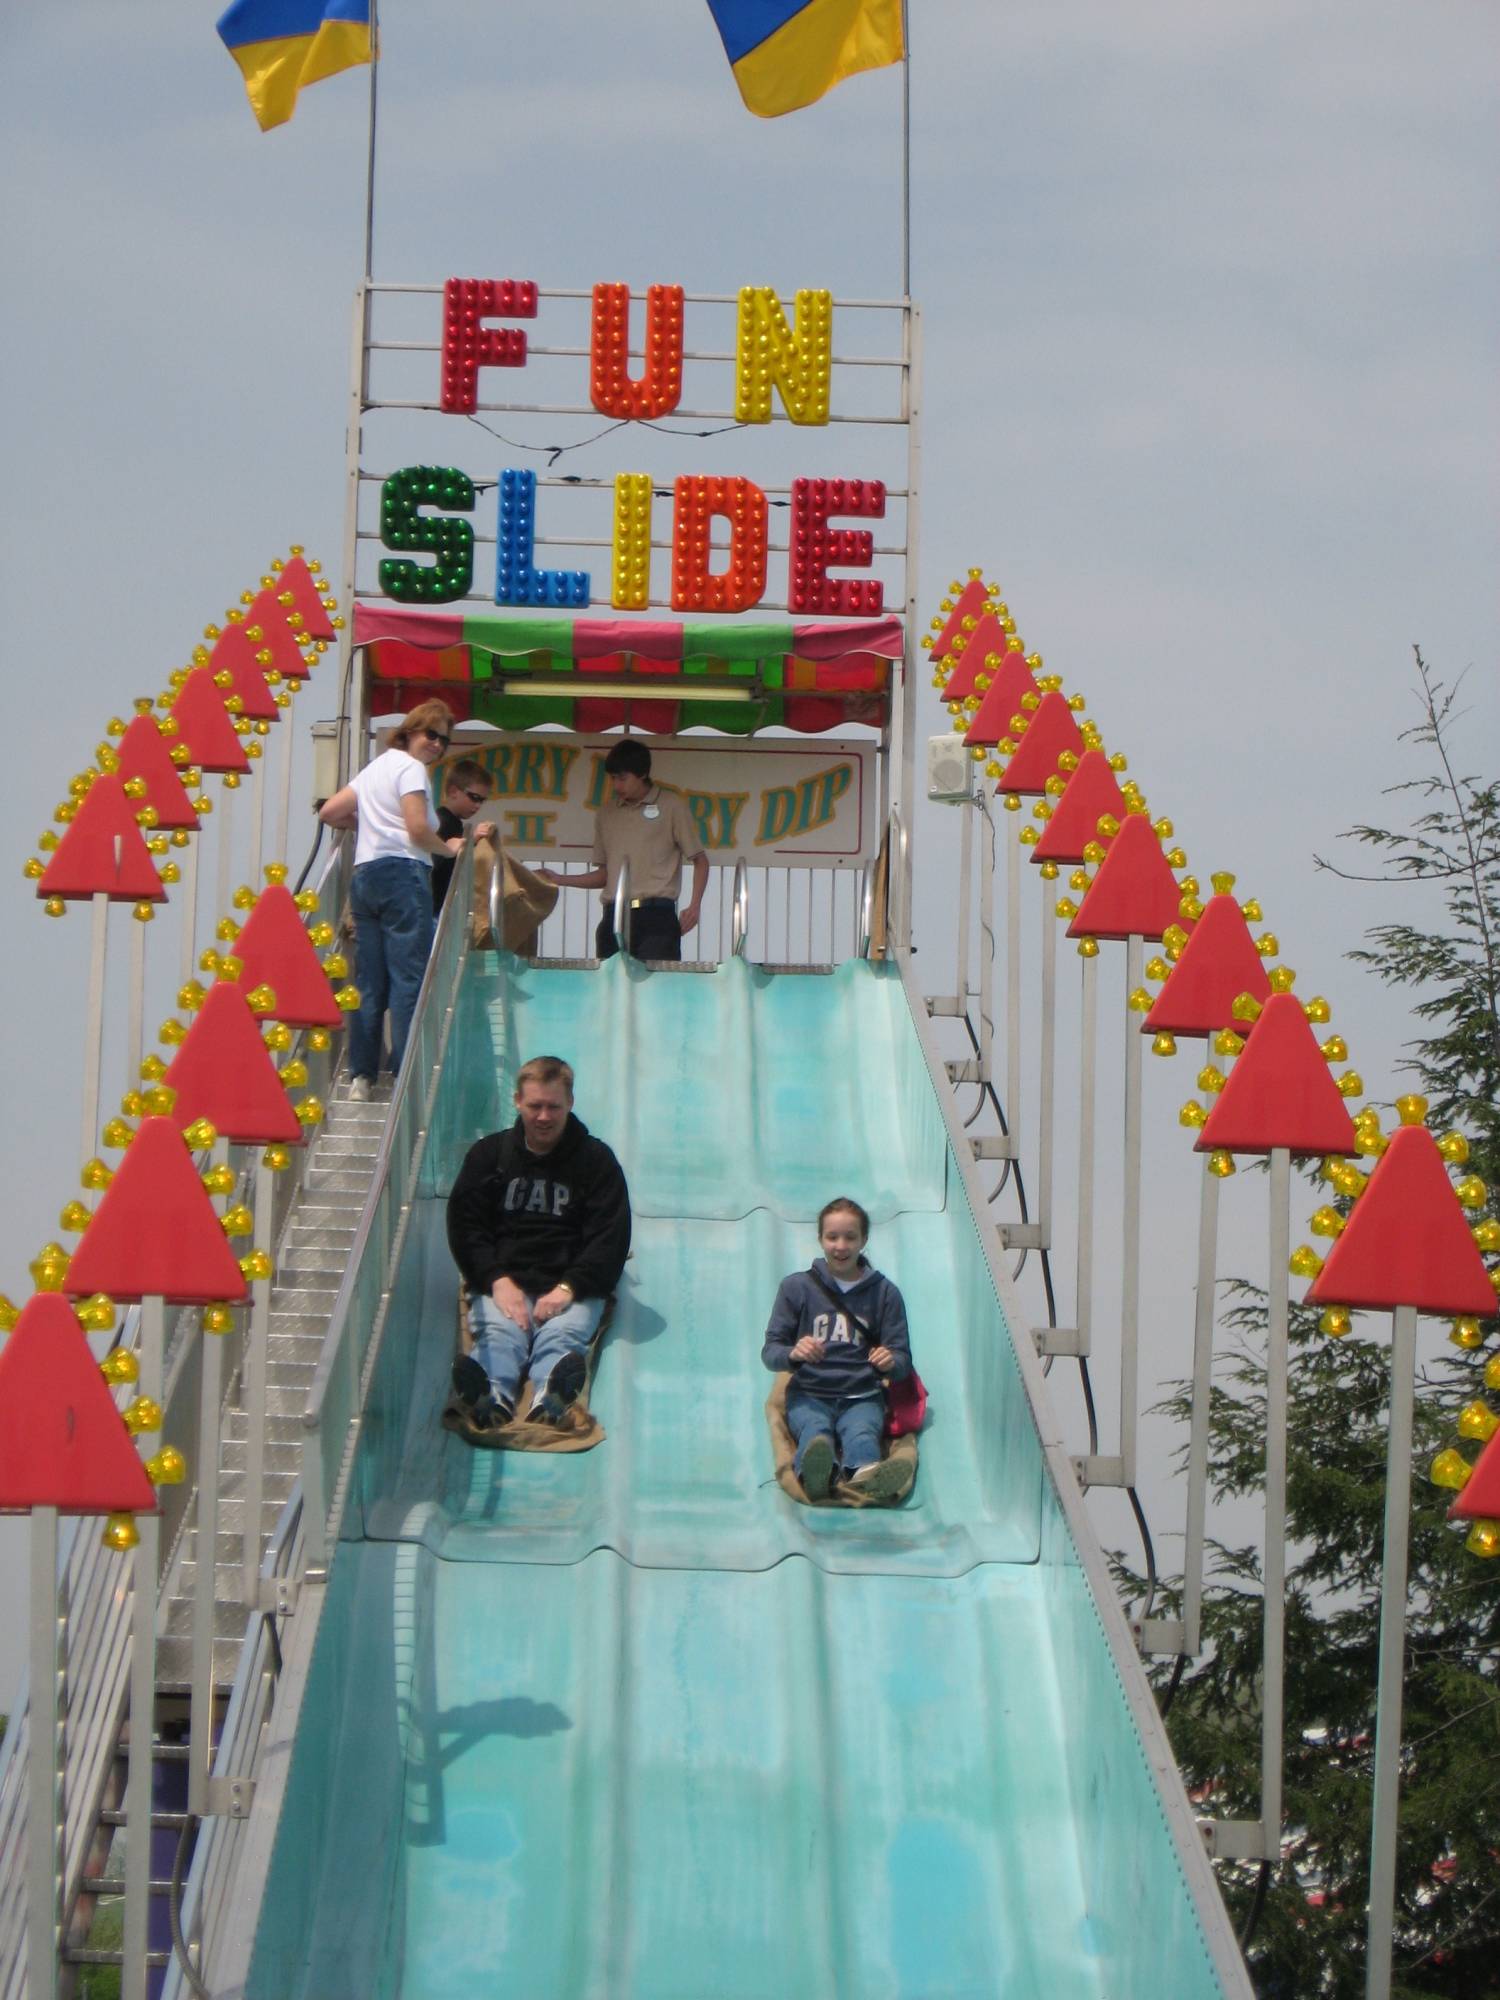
<point x="283" y="1459"/>
<point x="321" y="1236"/>
<point x="114" y="1885"/>
<point x="77" y="1954"/>
<point x="300" y="1348"/>
<point x="230" y="1619"/>
<point x="336" y="1180"/>
<point x="303" y="1300"/>
<point x="161" y="1822"/>
<point x="330" y="1264"/>
<point x="279" y="1430"/>
<point x="174" y="1665"/>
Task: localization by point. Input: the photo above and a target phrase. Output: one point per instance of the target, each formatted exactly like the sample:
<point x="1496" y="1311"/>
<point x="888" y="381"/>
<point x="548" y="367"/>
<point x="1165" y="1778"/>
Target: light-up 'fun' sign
<point x="423" y="507"/>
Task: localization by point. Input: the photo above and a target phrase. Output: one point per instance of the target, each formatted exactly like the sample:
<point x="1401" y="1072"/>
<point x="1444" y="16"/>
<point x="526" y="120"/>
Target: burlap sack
<point x="578" y="1429"/>
<point x="784" y="1450"/>
<point x="525" y="902"/>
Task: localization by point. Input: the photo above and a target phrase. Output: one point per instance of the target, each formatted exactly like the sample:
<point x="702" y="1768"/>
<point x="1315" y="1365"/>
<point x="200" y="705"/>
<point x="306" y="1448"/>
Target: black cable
<point x="1257" y="1905"/>
<point x="1088" y="1403"/>
<point x="1148" y="1550"/>
<point x="185" y="1839"/>
<point x="312" y="855"/>
<point x="1169" y="1694"/>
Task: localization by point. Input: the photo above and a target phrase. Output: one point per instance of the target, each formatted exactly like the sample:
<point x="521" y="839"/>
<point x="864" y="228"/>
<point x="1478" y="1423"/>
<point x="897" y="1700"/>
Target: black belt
<point x="653" y="902"/>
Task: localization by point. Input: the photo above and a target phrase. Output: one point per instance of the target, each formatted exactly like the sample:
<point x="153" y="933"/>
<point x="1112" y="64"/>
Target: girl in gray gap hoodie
<point x="840" y="1329"/>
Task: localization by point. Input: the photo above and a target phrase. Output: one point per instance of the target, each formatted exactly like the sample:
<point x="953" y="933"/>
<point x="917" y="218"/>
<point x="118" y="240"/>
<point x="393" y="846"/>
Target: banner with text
<point x="809" y="805"/>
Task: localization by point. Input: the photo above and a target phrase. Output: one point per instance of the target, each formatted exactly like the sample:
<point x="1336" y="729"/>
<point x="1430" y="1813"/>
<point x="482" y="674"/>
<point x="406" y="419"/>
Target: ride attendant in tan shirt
<point x="653" y="832"/>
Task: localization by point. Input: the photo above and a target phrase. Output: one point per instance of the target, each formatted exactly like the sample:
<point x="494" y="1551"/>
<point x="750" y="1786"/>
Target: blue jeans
<point x="856" y="1428"/>
<point x="393" y="923"/>
<point x="506" y="1352"/>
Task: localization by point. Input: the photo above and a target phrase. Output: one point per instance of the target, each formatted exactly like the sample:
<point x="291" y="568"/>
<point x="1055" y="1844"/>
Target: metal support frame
<point x="1047" y="1074"/>
<point x="147" y="1565"/>
<point x="1380" y="1924"/>
<point x="44" y="1817"/>
<point x="1130" y="1223"/>
<point x="1012" y="989"/>
<point x="257" y="1348"/>
<point x="93" y="1037"/>
<point x="225" y="877"/>
<point x="1205" y="1303"/>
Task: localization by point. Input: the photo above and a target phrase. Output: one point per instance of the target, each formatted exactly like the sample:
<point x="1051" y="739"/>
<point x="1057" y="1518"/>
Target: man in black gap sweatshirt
<point x="539" y="1224"/>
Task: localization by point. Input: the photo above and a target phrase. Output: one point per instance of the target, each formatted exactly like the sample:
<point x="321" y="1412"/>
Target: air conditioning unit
<point x="950" y="771"/>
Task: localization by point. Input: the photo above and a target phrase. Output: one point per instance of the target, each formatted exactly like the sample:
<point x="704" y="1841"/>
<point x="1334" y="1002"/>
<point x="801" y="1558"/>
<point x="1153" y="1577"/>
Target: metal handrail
<point x="622" y="902"/>
<point x="866" y="910"/>
<point x="449" y="950"/>
<point x="897" y="882"/>
<point x="497" y="895"/>
<point x="739" y="910"/>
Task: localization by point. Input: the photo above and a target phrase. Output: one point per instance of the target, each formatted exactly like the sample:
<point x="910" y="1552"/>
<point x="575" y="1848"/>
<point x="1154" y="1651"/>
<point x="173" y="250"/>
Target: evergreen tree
<point x="1305" y="1920"/>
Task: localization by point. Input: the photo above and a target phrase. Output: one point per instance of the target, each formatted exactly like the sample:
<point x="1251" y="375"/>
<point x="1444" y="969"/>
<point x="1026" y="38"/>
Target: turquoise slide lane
<point x="630" y="1724"/>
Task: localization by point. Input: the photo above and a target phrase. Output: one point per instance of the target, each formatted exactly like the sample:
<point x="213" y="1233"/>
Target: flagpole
<point x="905" y="151"/>
<point x="370" y="160"/>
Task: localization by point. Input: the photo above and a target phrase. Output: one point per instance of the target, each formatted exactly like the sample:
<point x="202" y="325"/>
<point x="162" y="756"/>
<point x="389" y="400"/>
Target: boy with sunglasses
<point x="466" y="787"/>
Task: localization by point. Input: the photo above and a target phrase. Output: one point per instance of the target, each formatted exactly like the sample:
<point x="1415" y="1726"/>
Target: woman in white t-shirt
<point x="390" y="802"/>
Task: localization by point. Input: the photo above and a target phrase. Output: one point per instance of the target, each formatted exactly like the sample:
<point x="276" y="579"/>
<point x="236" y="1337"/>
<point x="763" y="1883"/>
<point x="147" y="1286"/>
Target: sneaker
<point x="881" y="1481"/>
<point x="561" y="1390"/>
<point x="817" y="1468"/>
<point x="359" y="1090"/>
<point x="483" y="1410"/>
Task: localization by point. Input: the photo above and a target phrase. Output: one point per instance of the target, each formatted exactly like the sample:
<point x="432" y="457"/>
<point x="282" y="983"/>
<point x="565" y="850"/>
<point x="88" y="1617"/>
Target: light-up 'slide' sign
<point x="425" y="509"/>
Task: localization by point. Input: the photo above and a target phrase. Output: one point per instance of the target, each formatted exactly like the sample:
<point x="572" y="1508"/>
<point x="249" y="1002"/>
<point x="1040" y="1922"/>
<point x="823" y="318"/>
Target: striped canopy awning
<point x="514" y="669"/>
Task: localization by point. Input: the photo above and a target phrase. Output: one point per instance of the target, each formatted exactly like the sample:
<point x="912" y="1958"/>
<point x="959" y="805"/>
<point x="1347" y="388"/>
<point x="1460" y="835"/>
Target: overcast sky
<point x="1210" y="314"/>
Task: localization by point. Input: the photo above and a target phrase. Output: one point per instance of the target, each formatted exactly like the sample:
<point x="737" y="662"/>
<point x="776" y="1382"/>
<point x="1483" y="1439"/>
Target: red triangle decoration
<point x="985" y="643"/>
<point x="145" y="754"/>
<point x="234" y="654"/>
<point x="277" y="952"/>
<point x="1091" y="793"/>
<point x="1478" y="1499"/>
<point x="1279" y="1092"/>
<point x="1135" y="893"/>
<point x="969" y="603"/>
<point x="206" y="728"/>
<point x="102" y="851"/>
<point x="62" y="1443"/>
<point x="295" y="576"/>
<point x="1050" y="731"/>
<point x="286" y="654"/>
<point x="1406" y="1242"/>
<point x="1001" y="700"/>
<point x="223" y="1073"/>
<point x="1218" y="963"/>
<point x="155" y="1231"/>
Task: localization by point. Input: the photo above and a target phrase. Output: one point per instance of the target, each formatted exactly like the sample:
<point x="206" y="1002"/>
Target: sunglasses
<point x="437" y="736"/>
<point x="476" y="798"/>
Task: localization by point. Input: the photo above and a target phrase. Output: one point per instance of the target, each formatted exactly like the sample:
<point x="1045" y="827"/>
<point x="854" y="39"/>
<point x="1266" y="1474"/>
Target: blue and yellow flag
<point x="788" y="53"/>
<point x="280" y="45"/>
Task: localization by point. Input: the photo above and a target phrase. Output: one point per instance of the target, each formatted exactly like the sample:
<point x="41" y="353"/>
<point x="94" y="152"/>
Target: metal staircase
<point x="315" y="1242"/>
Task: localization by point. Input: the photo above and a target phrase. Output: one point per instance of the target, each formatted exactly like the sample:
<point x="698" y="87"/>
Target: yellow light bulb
<point x="1221" y="1164"/>
<point x="120" y="1533"/>
<point x="1139" y="1002"/>
<point x="1351" y="1084"/>
<point x="1335" y="1320"/>
<point x="1164" y="1044"/>
<point x="218" y="1319"/>
<point x="1454" y="1147"/>
<point x="171" y="1032"/>
<point x="119" y="1368"/>
<point x="1210" y="1078"/>
<point x="1157" y="968"/>
<point x="277" y="1158"/>
<point x="1282" y="978"/>
<point x="218" y="1180"/>
<point x="144" y="1414"/>
<point x="160" y="1100"/>
<point x="1304" y="1262"/>
<point x="294" y="1074"/>
<point x="153" y="1069"/>
<point x="261" y="999"/>
<point x="230" y="968"/>
<point x="1049" y="870"/>
<point x="1192" y="1114"/>
<point x="1467" y="1334"/>
<point x="1222" y="882"/>
<point x="96" y="1176"/>
<point x="49" y="1268"/>
<point x="166" y="1467"/>
<point x="1227" y="1042"/>
<point x="319" y="1040"/>
<point x="1268" y="944"/>
<point x="1478" y="1421"/>
<point x="133" y="1105"/>
<point x="1483" y="1539"/>
<point x="74" y="1218"/>
<point x="1491" y="1369"/>
<point x="1471" y="1191"/>
<point x="1066" y="907"/>
<point x="1327" y="1222"/>
<point x="1011" y="802"/>
<point x="238" y="1221"/>
<point x="1335" y="1049"/>
<point x="336" y="965"/>
<point x="346" y="998"/>
<point x="1487" y="1236"/>
<point x="257" y="1264"/>
<point x="1411" y="1109"/>
<point x="1317" y="1010"/>
<point x="116" y="1134"/>
<point x="200" y="1135"/>
<point x="9" y="1313"/>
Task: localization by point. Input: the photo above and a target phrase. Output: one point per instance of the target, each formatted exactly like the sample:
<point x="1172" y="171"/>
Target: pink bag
<point x="905" y="1405"/>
